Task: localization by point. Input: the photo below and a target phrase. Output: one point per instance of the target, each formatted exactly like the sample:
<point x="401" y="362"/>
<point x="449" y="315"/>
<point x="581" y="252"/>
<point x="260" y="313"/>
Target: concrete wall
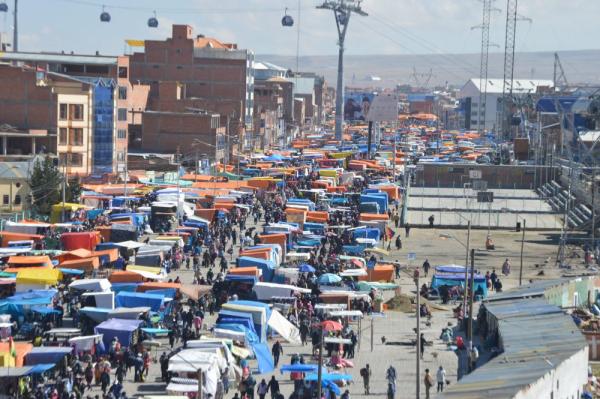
<point x="565" y="381"/>
<point x="497" y="176"/>
<point x="12" y="188"/>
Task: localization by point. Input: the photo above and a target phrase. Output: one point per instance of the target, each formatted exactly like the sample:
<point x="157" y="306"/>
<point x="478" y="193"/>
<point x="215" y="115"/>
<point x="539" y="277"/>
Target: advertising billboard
<point x="357" y="104"/>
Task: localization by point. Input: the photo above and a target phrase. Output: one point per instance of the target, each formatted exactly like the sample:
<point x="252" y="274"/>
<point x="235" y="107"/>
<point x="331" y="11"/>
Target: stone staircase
<point x="579" y="216"/>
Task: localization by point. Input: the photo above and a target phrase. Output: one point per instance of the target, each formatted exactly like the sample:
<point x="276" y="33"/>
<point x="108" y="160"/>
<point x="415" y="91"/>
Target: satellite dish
<point x="153" y="22"/>
<point x="104" y="17"/>
<point x="287" y="20"/>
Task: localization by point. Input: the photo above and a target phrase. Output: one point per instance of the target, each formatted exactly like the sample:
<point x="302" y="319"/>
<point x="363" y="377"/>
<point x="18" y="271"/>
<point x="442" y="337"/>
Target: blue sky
<point x="393" y="27"/>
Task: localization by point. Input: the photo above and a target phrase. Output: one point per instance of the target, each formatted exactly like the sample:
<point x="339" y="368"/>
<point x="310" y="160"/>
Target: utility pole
<point x="522" y="245"/>
<point x="64" y="187"/>
<point x="15" y="27"/>
<point x="466" y="269"/>
<point x="320" y="366"/>
<point x="509" y="66"/>
<point x="483" y="67"/>
<point x="471" y="299"/>
<point x="418" y="303"/>
<point x="342" y="10"/>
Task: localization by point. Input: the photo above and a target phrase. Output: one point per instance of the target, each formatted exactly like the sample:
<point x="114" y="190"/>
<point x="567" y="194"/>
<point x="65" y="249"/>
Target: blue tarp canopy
<point x="127" y="287"/>
<point x="379" y="198"/>
<point x="44" y="310"/>
<point x="41" y="368"/>
<point x="329" y="278"/>
<point x="450" y="269"/>
<point x="136" y="299"/>
<point x="266" y="266"/>
<point x="329" y="377"/>
<point x="298" y="368"/>
<point x="456" y="279"/>
<point x="46" y="354"/>
<point x="251" y="336"/>
<point x="367" y="232"/>
<point x="155" y="331"/>
<point x="318" y="228"/>
<point x="120" y="328"/>
<point x="306" y="268"/>
<point x="230" y="316"/>
<point x="74" y="272"/>
<point x="308" y="243"/>
<point x="255" y="304"/>
<point x="241" y="279"/>
<point x="263" y="357"/>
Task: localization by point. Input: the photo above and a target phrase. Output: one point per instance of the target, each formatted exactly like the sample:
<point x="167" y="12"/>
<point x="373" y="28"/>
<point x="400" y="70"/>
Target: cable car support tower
<point x="342" y="10"/>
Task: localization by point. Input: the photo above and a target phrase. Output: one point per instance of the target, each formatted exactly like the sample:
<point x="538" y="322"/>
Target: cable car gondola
<point x="287" y="20"/>
<point x="104" y="17"/>
<point x="3" y="7"/>
<point x="152" y="21"/>
<point x="342" y="18"/>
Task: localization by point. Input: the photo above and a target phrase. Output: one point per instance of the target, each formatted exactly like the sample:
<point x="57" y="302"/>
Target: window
<point x="17" y="199"/>
<point x="122" y="93"/>
<point x="62" y="136"/>
<point x="122" y="114"/>
<point x="76" y="112"/>
<point x="76" y="136"/>
<point x="121" y="134"/>
<point x="120" y="156"/>
<point x="123" y="72"/>
<point x="73" y="159"/>
<point x="62" y="113"/>
<point x="5" y="199"/>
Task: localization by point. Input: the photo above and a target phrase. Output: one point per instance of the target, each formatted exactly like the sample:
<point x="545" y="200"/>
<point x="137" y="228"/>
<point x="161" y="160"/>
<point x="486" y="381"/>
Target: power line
<point x="178" y="10"/>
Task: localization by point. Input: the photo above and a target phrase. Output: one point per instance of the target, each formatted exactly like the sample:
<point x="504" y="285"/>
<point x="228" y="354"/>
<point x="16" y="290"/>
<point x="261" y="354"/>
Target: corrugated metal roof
<point x="536" y="338"/>
<point x="520" y="86"/>
<point x="59" y="58"/>
<point x="536" y="289"/>
<point x="14" y="170"/>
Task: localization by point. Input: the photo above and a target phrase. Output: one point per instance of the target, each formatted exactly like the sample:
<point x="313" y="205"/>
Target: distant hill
<point x="581" y="66"/>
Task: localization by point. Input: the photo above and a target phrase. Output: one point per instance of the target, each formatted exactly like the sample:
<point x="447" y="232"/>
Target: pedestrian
<point x="262" y="389"/>
<point x="277" y="350"/>
<point x="493" y="278"/>
<point x="365" y="373"/>
<point x="398" y="243"/>
<point x="273" y="387"/>
<point x="390" y="376"/>
<point x="345" y="395"/>
<point x="428" y="381"/>
<point x="407" y="229"/>
<point x="423" y="341"/>
<point x="506" y="267"/>
<point x="441" y="379"/>
<point x="473" y="357"/>
<point x="391" y="391"/>
<point x="104" y="380"/>
<point x="431" y="220"/>
<point x="426" y="267"/>
<point x="397" y="269"/>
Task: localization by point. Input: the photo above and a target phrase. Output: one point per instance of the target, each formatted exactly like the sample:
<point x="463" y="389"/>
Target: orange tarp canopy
<point x="392" y="191"/>
<point x="104" y="232"/>
<point x="317" y="216"/>
<point x="87" y="264"/>
<point x="373" y="216"/>
<point x="112" y="253"/>
<point x="280" y="239"/>
<point x="259" y="255"/>
<point x="319" y="184"/>
<point x="245" y="271"/>
<point x="157" y="286"/>
<point x="224" y="205"/>
<point x="204" y="178"/>
<point x="75" y="254"/>
<point x="379" y="273"/>
<point x="123" y="276"/>
<point x="208" y="214"/>
<point x="41" y="261"/>
<point x="232" y="184"/>
<point x="261" y="184"/>
<point x="18" y="269"/>
<point x="9" y="236"/>
<point x="22" y="349"/>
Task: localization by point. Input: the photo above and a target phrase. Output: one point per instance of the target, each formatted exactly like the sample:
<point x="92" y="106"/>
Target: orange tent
<point x="112" y="253"/>
<point x="22" y="349"/>
<point x="263" y="184"/>
<point x="6" y="237"/>
<point x="317" y="217"/>
<point x="123" y="276"/>
<point x="338" y="189"/>
<point x="373" y="216"/>
<point x="260" y="253"/>
<point x="208" y="214"/>
<point x="157" y="286"/>
<point x="86" y="264"/>
<point x="392" y="191"/>
<point x="280" y="239"/>
<point x="104" y="232"/>
<point x="29" y="261"/>
<point x="245" y="271"/>
<point x="379" y="273"/>
<point x="232" y="184"/>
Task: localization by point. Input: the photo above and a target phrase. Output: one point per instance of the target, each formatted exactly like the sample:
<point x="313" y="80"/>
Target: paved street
<point x="397" y="327"/>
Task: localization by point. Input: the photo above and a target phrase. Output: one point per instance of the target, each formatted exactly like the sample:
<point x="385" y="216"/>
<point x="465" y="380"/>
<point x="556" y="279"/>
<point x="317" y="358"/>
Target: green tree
<point x="73" y="190"/>
<point x="45" y="182"/>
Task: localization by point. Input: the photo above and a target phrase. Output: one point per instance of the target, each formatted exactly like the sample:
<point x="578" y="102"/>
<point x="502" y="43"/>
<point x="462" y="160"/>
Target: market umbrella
<point x="330" y="325"/>
<point x="306" y="268"/>
<point x="329" y="278"/>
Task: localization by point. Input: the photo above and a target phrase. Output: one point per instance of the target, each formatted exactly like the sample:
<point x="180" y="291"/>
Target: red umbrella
<point x="330" y="325"/>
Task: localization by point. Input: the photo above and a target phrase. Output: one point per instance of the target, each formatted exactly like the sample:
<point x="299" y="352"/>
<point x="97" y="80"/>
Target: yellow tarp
<point x="148" y="269"/>
<point x="45" y="276"/>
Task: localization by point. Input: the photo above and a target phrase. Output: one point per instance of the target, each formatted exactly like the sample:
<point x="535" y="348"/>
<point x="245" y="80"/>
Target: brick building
<point x="197" y="77"/>
<point x="76" y="106"/>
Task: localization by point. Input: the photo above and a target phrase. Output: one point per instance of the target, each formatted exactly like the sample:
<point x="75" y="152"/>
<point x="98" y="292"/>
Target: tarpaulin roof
<point x="263" y="357"/>
<point x="16" y="261"/>
<point x="42" y="276"/>
<point x="120" y="328"/>
<point x="136" y="299"/>
<point x="91" y="284"/>
<point x="46" y="354"/>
